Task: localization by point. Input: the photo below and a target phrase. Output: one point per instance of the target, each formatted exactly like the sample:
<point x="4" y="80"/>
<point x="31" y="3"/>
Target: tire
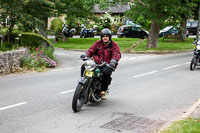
<point x="81" y="36"/>
<point x="193" y="63"/>
<point x="124" y="36"/>
<point x="78" y="99"/>
<point x="144" y="37"/>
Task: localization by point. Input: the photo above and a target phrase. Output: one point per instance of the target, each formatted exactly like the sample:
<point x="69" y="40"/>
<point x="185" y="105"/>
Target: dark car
<point x="170" y="30"/>
<point x="192" y="27"/>
<point x="131" y="31"/>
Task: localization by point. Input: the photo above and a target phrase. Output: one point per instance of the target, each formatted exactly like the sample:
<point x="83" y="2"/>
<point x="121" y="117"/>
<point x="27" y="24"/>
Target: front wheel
<point x="78" y="99"/>
<point x="193" y="63"/>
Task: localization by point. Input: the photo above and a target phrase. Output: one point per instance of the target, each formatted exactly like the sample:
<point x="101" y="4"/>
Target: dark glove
<point x="84" y="56"/>
<point x="113" y="63"/>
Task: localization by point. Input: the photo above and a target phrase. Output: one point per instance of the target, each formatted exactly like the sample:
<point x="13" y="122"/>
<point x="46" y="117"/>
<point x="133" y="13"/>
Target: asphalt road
<point x="147" y="91"/>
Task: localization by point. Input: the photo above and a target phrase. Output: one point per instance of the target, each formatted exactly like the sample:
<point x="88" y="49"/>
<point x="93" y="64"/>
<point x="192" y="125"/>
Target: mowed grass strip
<point x="184" y="126"/>
<point x="169" y="45"/>
<point x="85" y="43"/>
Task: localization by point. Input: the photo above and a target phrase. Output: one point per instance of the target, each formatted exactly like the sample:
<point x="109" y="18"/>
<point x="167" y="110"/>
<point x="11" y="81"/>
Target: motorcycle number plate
<point x="89" y="73"/>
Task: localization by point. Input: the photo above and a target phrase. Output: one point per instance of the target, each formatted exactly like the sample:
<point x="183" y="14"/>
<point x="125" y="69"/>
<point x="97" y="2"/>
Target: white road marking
<point x="144" y="74"/>
<point x="137" y="57"/>
<point x="14" y="105"/>
<point x="187" y="63"/>
<point x="171" y="67"/>
<point x="64" y="92"/>
<point x="67" y="68"/>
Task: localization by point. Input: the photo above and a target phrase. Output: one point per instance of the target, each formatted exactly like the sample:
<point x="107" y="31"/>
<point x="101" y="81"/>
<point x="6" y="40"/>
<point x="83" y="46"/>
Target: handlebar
<point x="85" y="58"/>
<point x="99" y="65"/>
<point x="106" y="64"/>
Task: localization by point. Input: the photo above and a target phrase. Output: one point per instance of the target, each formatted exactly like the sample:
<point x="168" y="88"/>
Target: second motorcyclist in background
<point x="104" y="50"/>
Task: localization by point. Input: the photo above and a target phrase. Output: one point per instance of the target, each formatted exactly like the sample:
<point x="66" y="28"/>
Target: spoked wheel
<point x="193" y="63"/>
<point x="95" y="97"/>
<point x="78" y="99"/>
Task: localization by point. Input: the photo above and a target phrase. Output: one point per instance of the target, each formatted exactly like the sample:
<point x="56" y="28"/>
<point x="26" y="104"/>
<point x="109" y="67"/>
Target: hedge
<point x="56" y="25"/>
<point x="33" y="40"/>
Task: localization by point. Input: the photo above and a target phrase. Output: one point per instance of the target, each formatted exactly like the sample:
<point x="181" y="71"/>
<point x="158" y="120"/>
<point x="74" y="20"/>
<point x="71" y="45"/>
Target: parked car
<point x="192" y="27"/>
<point x="131" y="31"/>
<point x="170" y="30"/>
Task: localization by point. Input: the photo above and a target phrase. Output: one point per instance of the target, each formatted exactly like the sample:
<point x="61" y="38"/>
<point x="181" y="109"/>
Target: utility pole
<point x="198" y="23"/>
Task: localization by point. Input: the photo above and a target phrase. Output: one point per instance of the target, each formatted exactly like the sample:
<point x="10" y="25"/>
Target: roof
<point x="112" y="9"/>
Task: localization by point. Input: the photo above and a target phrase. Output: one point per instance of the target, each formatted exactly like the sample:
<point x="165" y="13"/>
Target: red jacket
<point x="104" y="53"/>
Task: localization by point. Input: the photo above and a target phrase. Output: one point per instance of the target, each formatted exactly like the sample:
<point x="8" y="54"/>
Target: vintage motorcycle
<point x="196" y="56"/>
<point x="68" y="32"/>
<point x="89" y="85"/>
<point x="88" y="32"/>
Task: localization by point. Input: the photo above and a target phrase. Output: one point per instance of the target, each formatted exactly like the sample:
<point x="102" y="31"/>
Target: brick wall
<point x="10" y="61"/>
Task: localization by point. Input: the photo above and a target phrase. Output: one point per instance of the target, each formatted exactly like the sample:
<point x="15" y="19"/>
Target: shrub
<point x="33" y="40"/>
<point x="56" y="26"/>
<point x="8" y="46"/>
<point x="38" y="59"/>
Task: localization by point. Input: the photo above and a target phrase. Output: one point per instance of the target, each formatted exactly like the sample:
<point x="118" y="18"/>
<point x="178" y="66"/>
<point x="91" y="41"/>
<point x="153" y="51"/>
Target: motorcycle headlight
<point x="90" y="65"/>
<point x="198" y="47"/>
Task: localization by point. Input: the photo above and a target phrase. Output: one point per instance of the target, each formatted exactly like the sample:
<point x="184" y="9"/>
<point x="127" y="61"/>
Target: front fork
<point x="87" y="83"/>
<point x="196" y="59"/>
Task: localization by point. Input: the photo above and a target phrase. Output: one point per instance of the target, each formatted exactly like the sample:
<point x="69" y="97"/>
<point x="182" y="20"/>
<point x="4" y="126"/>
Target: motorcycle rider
<point x="104" y="50"/>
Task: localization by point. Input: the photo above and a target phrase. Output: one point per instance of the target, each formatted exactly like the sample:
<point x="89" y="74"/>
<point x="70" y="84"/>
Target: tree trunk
<point x="198" y="23"/>
<point x="10" y="29"/>
<point x="152" y="41"/>
<point x="184" y="30"/>
<point x="43" y="30"/>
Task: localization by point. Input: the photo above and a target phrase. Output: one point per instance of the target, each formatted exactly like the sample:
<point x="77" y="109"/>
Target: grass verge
<point x="184" y="126"/>
<point x="166" y="46"/>
<point x="125" y="44"/>
<point x="85" y="43"/>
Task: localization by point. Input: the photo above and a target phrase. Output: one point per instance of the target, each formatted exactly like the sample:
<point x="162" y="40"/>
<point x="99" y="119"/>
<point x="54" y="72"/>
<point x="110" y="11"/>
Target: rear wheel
<point x="78" y="99"/>
<point x="123" y="36"/>
<point x="193" y="63"/>
<point x="92" y="35"/>
<point x="144" y="37"/>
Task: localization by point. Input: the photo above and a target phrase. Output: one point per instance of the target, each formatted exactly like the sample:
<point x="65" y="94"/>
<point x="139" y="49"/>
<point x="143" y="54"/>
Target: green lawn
<point x="184" y="126"/>
<point x="168" y="45"/>
<point x="125" y="43"/>
<point x="85" y="43"/>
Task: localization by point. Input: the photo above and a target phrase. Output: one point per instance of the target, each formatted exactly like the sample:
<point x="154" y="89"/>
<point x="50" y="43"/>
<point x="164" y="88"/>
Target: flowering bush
<point x="38" y="59"/>
<point x="106" y="20"/>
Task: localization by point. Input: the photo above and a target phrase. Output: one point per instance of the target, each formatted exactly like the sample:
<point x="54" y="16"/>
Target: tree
<point x="36" y="15"/>
<point x="11" y="10"/>
<point x="75" y="9"/>
<point x="198" y="22"/>
<point x="157" y="11"/>
<point x="27" y="14"/>
<point x="185" y="10"/>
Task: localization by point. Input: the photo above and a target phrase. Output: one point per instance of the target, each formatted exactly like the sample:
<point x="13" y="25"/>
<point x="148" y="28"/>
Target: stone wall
<point x="10" y="61"/>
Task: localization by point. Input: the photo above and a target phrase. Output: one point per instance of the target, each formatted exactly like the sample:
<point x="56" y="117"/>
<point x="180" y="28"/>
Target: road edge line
<point x="182" y="117"/>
